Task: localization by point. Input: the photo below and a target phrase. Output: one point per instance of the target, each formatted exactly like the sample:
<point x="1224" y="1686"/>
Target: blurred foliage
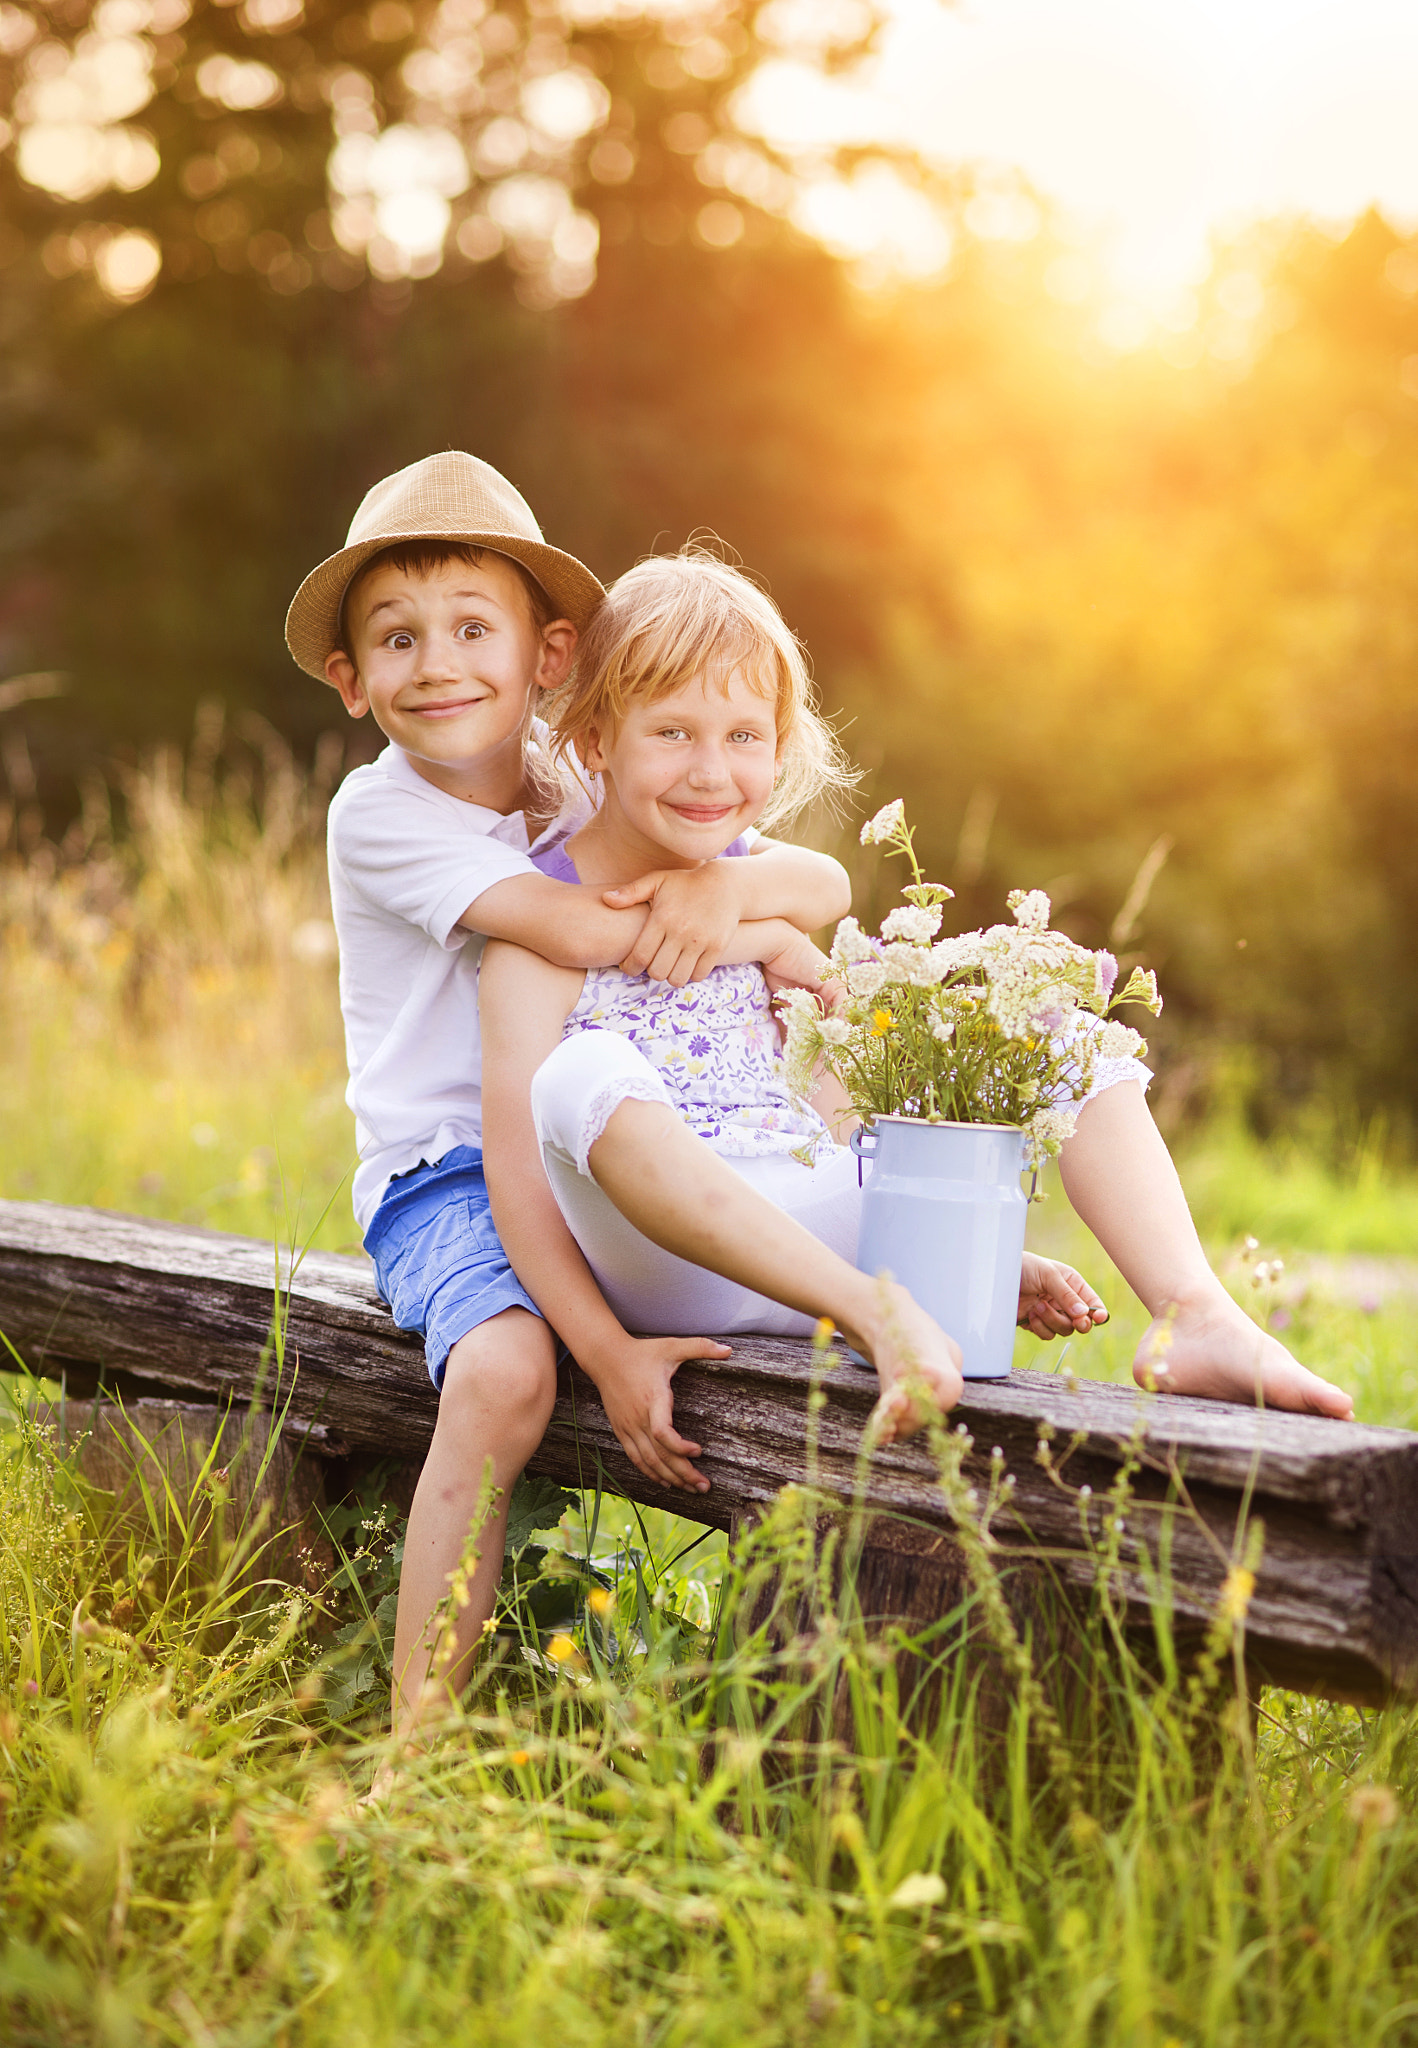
<point x="1105" y="619"/>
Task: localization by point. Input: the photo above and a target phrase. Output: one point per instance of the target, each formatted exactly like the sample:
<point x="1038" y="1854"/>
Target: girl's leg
<point x="685" y="1198"/>
<point x="1119" y="1177"/>
<point x="617" y="1154"/>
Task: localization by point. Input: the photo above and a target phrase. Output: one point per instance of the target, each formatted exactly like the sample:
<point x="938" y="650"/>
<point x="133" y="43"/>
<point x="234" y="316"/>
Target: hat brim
<point x="313" y="621"/>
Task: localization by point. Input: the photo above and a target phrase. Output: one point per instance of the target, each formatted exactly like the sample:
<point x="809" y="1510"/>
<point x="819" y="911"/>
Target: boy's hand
<point x="634" y="1387"/>
<point x="694" y="912"/>
<point x="1054" y="1300"/>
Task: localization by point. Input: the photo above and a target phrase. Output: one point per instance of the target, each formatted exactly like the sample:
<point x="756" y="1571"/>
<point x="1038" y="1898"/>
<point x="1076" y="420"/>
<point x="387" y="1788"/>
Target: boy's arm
<point x="523" y="1002"/>
<point x="806" y="889"/>
<point x="570" y="926"/>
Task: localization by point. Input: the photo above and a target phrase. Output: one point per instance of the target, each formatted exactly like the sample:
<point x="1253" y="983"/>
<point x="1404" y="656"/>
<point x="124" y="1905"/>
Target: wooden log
<point x="1335" y="1604"/>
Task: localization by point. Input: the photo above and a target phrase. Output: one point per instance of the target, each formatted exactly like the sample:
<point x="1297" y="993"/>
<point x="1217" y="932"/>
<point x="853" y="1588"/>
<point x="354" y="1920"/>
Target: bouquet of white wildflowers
<point x="1005" y="1026"/>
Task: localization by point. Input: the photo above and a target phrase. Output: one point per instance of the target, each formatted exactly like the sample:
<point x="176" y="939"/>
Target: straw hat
<point x="451" y="497"/>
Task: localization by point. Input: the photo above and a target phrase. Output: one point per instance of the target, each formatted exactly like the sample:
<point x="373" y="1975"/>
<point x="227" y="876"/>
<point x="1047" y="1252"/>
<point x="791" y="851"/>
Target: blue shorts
<point x="437" y="1256"/>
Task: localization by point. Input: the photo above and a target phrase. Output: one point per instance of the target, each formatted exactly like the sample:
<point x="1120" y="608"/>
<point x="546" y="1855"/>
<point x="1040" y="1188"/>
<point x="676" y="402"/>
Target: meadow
<point x="666" y="1815"/>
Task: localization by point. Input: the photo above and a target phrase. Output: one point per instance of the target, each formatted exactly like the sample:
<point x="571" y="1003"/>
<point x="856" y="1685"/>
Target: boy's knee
<point x="509" y="1364"/>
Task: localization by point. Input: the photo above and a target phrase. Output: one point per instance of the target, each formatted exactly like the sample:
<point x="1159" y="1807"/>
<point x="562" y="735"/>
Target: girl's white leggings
<point x="574" y="1095"/>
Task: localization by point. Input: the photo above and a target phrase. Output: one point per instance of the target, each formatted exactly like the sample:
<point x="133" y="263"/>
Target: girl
<point x="645" y="1160"/>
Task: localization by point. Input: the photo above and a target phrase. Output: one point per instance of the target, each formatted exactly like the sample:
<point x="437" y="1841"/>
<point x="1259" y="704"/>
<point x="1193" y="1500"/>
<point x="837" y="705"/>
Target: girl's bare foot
<point x="1213" y="1349"/>
<point x="906" y="1345"/>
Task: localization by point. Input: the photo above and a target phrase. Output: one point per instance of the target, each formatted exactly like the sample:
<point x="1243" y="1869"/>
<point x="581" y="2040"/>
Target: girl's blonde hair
<point x="673" y="619"/>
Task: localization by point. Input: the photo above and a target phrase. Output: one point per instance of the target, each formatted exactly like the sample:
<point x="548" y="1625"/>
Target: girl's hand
<point x="635" y="1392"/>
<point x="1054" y="1301"/>
<point x="801" y="964"/>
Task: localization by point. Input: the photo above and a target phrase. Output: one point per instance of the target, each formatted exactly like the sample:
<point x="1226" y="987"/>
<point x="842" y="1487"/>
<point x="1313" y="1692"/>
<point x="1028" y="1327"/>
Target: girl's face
<point x="693" y="770"/>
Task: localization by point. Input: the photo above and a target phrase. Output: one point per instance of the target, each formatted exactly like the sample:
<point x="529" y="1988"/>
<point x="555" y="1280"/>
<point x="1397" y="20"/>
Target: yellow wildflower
<point x="561" y="1649"/>
<point x="1236" y="1593"/>
<point x="882" y="1021"/>
<point x="600" y="1602"/>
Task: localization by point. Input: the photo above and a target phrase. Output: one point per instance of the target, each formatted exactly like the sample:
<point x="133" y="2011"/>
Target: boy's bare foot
<point x="1212" y="1348"/>
<point x="905" y="1344"/>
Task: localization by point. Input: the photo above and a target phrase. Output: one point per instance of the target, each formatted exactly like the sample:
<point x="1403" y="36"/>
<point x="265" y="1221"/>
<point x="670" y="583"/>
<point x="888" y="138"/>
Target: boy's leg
<point x="686" y="1199"/>
<point x="499" y="1383"/>
<point x="1119" y="1177"/>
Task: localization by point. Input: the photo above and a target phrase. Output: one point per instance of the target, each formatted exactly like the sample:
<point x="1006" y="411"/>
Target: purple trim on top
<point x="554" y="860"/>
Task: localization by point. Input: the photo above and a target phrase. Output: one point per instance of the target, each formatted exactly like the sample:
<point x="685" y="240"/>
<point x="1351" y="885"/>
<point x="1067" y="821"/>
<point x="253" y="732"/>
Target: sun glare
<point x="1150" y="133"/>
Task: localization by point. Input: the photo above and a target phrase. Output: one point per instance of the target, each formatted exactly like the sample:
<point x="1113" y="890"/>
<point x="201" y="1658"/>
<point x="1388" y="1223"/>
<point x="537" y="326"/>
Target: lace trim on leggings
<point x="647" y="1087"/>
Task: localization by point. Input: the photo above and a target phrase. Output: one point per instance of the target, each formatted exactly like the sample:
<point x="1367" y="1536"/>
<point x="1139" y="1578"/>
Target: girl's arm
<point x="523" y="1002"/>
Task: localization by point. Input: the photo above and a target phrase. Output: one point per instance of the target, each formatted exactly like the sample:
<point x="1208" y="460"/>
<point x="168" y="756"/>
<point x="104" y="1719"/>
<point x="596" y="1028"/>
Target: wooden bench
<point x="159" y="1309"/>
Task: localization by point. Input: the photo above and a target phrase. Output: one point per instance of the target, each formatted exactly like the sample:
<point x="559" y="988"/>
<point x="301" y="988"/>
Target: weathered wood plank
<point x="1335" y="1608"/>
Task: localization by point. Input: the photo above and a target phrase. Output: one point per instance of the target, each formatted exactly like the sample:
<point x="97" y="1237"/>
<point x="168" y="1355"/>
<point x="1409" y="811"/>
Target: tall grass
<point x="654" y="1831"/>
<point x="170" y="1038"/>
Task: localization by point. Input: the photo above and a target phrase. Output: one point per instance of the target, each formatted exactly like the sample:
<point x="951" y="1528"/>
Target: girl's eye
<point x="472" y="631"/>
<point x="745" y="736"/>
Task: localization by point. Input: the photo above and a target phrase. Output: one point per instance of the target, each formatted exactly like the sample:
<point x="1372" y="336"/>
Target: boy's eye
<point x="745" y="736"/>
<point x="673" y="732"/>
<point x="400" y="640"/>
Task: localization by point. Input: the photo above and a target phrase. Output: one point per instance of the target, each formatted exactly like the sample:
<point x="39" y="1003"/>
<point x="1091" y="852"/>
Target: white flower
<point x="1031" y="909"/>
<point x="951" y="955"/>
<point x="799" y="1006"/>
<point x="1120" y="1042"/>
<point x="866" y="978"/>
<point x="912" y="923"/>
<point x="851" y="943"/>
<point x="835" y="1031"/>
<point x="885" y="825"/>
<point x="942" y="1028"/>
<point x="909" y="964"/>
<point x="1049" y="1130"/>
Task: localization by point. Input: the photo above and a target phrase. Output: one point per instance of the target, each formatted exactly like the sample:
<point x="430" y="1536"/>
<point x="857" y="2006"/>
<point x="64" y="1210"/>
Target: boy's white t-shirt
<point x="406" y="861"/>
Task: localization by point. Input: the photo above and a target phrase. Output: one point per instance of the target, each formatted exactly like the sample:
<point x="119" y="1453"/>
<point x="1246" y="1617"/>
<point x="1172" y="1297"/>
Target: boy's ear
<point x="558" y="646"/>
<point x="341" y="671"/>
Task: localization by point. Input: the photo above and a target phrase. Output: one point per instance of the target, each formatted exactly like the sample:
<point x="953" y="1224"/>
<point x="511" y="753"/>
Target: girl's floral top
<point x="715" y="1044"/>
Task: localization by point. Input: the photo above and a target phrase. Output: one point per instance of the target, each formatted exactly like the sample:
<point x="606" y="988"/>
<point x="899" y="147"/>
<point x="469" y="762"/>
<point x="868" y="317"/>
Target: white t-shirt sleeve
<point x="410" y="858"/>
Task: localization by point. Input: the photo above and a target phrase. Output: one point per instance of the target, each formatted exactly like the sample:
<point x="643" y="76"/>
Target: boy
<point x="445" y="616"/>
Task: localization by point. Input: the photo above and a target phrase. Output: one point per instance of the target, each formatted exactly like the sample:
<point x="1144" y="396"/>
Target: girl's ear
<point x="591" y="752"/>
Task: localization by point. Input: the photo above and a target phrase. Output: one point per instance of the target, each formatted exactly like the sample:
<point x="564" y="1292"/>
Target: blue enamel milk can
<point x="943" y="1212"/>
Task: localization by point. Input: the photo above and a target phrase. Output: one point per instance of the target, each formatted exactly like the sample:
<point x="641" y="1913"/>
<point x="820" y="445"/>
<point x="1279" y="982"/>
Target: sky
<point x="1152" y="122"/>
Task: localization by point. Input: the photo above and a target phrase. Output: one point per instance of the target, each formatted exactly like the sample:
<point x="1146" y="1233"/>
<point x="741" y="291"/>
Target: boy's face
<point x="446" y="661"/>
<point x="693" y="770"/>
